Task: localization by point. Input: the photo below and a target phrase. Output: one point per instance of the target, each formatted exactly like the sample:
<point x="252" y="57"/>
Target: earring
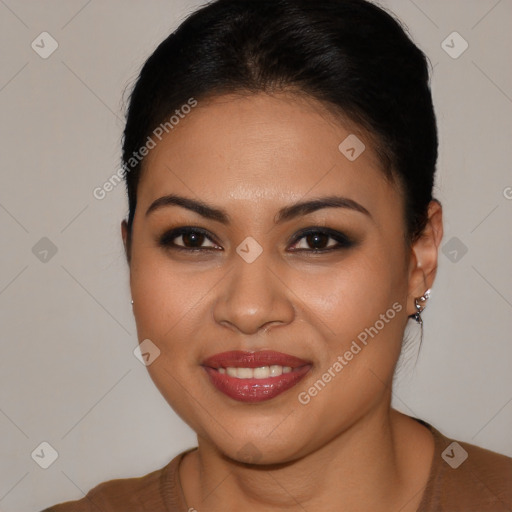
<point x="132" y="302"/>
<point x="421" y="304"/>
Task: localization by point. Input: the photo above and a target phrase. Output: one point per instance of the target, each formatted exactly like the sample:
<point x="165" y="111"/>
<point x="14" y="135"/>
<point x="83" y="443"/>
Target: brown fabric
<point x="158" y="491"/>
<point x="482" y="483"/>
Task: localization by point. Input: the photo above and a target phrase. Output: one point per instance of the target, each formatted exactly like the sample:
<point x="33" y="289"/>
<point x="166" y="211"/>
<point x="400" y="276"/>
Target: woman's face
<point x="251" y="280"/>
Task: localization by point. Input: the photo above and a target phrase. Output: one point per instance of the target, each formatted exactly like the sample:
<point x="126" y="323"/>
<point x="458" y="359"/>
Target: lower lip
<point x="255" y="390"/>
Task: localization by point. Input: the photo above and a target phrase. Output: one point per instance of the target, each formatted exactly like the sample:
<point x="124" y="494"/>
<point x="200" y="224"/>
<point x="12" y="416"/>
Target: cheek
<point x="167" y="295"/>
<point x="353" y="294"/>
<point x="164" y="303"/>
<point x="167" y="309"/>
<point x="362" y="303"/>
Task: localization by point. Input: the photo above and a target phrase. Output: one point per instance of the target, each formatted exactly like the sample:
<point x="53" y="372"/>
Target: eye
<point x="312" y="240"/>
<point x="188" y="238"/>
<point x="319" y="239"/>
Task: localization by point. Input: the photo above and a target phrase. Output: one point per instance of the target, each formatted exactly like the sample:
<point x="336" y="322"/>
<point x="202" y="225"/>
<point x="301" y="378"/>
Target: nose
<point x="253" y="297"/>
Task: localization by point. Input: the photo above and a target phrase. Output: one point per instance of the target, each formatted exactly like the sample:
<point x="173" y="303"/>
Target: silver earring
<point x="420" y="304"/>
<point x="132" y="302"/>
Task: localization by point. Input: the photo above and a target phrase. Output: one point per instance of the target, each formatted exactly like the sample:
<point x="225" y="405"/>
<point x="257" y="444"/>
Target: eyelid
<point x="166" y="240"/>
<point x="319" y="229"/>
<point x="342" y="240"/>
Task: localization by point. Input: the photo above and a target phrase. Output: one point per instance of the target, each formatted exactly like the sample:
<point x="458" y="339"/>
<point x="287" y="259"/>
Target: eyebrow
<point x="285" y="214"/>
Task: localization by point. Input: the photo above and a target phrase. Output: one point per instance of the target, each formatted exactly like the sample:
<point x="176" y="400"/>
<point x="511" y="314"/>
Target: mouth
<point x="254" y="376"/>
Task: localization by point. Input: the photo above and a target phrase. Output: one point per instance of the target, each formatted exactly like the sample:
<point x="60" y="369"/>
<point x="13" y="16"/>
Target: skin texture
<point x="346" y="449"/>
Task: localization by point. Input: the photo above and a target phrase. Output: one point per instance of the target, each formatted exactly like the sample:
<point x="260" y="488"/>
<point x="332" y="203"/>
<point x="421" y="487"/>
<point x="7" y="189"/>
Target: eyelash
<point x="343" y="241"/>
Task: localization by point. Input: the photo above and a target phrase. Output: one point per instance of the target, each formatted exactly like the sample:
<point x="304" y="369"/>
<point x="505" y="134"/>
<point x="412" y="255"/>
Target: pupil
<point x="194" y="239"/>
<point x="317" y="239"/>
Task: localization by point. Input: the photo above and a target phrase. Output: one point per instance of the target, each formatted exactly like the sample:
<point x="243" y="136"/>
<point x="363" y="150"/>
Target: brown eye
<point x="193" y="239"/>
<point x="187" y="238"/>
<point x="321" y="240"/>
<point x="317" y="240"/>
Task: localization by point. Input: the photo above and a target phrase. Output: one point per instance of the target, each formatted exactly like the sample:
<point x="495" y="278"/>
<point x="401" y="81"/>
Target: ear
<point x="424" y="256"/>
<point x="126" y="240"/>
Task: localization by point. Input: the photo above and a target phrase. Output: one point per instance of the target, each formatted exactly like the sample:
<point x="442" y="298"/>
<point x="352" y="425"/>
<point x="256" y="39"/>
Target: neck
<point x="363" y="468"/>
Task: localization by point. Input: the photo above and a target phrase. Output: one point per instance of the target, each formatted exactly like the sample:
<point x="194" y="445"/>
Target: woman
<point x="279" y="157"/>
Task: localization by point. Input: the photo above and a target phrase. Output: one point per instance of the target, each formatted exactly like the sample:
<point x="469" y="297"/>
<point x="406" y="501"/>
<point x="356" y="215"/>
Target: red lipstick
<point x="254" y="376"/>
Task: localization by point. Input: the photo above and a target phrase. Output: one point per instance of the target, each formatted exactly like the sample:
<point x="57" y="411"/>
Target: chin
<point x="260" y="448"/>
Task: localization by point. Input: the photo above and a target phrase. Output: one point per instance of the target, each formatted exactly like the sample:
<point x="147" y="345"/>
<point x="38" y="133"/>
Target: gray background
<point x="68" y="375"/>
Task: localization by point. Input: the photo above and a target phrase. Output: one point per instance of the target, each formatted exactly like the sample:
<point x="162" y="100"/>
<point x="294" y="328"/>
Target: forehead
<point x="267" y="149"/>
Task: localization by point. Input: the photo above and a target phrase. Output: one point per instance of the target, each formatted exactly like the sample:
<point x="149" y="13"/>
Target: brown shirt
<point x="462" y="478"/>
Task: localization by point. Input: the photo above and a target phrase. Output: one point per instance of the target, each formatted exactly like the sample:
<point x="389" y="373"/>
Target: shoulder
<point x="466" y="477"/>
<point x="145" y="493"/>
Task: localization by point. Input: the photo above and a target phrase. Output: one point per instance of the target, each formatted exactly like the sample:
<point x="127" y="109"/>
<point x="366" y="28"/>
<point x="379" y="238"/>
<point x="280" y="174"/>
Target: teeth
<point x="276" y="370"/>
<point x="244" y="373"/>
<point x="263" y="372"/>
<point x="232" y="372"/>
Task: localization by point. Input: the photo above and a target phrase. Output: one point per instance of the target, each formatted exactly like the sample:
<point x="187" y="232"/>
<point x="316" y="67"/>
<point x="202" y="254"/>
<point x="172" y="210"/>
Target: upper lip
<point x="241" y="359"/>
